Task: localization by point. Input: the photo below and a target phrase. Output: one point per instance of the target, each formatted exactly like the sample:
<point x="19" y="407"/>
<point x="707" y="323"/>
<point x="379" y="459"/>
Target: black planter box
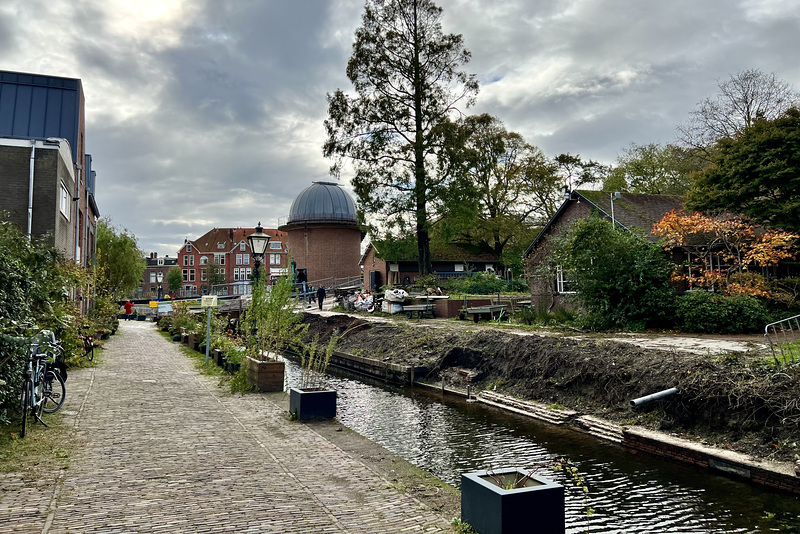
<point x="312" y="404"/>
<point x="490" y="509"/>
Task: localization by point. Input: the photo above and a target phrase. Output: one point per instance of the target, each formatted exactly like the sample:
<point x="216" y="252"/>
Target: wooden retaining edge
<point x="530" y="409"/>
<point x="389" y="372"/>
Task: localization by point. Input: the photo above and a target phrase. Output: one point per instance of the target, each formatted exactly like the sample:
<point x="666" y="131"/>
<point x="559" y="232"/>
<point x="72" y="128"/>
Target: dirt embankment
<point x="734" y="401"/>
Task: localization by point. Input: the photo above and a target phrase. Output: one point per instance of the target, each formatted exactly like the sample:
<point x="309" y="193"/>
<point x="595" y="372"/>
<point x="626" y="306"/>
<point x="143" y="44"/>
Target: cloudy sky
<point x="209" y="113"/>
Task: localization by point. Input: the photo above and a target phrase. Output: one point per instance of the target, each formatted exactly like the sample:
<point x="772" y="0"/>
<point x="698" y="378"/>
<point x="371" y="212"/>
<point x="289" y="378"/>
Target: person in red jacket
<point x="128" y="310"/>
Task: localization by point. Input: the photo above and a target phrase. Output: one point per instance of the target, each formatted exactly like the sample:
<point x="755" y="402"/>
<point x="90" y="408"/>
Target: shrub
<point x="706" y="312"/>
<point x="484" y="283"/>
<point x="621" y="279"/>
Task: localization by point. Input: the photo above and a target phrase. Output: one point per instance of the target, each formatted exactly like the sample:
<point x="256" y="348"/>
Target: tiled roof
<point x="229" y="238"/>
<point x="633" y="210"/>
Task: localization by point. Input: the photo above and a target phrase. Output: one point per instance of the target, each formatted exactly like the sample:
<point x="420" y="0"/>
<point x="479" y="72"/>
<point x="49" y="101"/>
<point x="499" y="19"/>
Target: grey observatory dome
<point x="323" y="202"/>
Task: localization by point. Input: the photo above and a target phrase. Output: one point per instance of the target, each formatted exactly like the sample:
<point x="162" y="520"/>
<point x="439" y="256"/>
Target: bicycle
<point x="88" y="344"/>
<point x="43" y="389"/>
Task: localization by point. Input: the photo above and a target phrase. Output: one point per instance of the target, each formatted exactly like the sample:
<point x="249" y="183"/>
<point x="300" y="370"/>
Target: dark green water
<point x="630" y="493"/>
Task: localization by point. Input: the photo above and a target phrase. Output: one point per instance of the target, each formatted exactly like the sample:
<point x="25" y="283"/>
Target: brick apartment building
<point x="46" y="179"/>
<point x="226" y="253"/>
<point x="154" y="265"/>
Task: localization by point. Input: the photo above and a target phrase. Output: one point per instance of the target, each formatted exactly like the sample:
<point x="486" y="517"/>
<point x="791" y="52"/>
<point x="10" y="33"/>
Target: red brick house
<point x="227" y="252"/>
<point x="628" y="211"/>
<point x="154" y="265"/>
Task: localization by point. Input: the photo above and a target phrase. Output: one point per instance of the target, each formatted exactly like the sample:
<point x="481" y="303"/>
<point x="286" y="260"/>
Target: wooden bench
<point x="488" y="312"/>
<point x="419" y="309"/>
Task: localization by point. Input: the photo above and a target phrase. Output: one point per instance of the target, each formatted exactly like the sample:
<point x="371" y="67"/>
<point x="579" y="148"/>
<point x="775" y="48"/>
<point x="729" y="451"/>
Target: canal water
<point x="629" y="493"/>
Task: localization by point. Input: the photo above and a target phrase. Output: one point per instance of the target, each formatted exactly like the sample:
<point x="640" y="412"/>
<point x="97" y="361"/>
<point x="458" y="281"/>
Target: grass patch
<point x="41" y="452"/>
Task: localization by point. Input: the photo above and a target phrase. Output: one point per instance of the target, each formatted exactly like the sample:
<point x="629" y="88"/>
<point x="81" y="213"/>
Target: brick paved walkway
<point x="168" y="451"/>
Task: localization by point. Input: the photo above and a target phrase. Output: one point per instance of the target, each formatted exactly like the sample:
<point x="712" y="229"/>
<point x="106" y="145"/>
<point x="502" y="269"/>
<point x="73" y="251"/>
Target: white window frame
<point x="191" y="275"/>
<point x="242" y="246"/>
<point x="274" y="259"/>
<point x="562" y="282"/>
<point x="238" y="259"/>
<point x="64" y="202"/>
<point x="245" y="259"/>
<point x="185" y="273"/>
<point x="188" y="247"/>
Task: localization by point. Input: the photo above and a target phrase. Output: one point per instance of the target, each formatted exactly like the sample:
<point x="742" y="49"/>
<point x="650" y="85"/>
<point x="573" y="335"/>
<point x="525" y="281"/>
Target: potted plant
<point x="504" y="501"/>
<point x="271" y="325"/>
<point x="312" y="400"/>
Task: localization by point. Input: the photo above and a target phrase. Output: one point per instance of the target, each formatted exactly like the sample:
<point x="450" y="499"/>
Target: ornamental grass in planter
<point x="512" y="500"/>
<point x="271" y="325"/>
<point x="313" y="400"/>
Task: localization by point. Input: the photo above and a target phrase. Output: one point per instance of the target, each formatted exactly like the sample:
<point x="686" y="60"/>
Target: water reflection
<point x="630" y="493"/>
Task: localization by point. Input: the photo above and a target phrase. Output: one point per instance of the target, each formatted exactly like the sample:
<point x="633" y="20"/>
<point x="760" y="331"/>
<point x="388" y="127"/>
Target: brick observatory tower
<point x="323" y="234"/>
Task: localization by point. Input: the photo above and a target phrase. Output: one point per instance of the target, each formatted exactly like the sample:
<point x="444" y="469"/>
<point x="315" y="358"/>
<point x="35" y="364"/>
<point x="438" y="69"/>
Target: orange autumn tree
<point x="722" y="249"/>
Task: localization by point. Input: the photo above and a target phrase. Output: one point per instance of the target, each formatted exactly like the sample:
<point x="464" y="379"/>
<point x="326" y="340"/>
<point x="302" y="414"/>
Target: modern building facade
<point x="220" y="261"/>
<point x="47" y="184"/>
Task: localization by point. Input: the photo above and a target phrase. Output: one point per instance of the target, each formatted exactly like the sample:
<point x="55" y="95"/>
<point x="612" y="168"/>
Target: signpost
<point x="208" y="302"/>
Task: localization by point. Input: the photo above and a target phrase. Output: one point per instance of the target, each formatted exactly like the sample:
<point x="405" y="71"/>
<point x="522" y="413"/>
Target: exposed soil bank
<point x="733" y="401"/>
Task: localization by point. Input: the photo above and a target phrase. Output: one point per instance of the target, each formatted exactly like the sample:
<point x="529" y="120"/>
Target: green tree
<point x="174" y="279"/>
<point x="757" y="174"/>
<point x="215" y="276"/>
<point x="502" y="186"/>
<point x="120" y="264"/>
<point x="655" y="169"/>
<point x="407" y="78"/>
<point x="746" y="97"/>
<point x="576" y="172"/>
<point x="621" y="278"/>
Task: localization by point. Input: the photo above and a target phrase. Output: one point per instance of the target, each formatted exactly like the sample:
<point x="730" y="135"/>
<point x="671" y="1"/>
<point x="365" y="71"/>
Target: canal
<point x="629" y="493"/>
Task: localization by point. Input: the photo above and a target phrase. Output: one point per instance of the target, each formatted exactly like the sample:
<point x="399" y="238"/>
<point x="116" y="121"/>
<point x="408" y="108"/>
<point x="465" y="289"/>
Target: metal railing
<point x="783" y="337"/>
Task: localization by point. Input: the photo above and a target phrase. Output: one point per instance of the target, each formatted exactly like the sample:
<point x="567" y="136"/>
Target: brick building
<point x="323" y="235"/>
<point x="42" y="152"/>
<point x="628" y="211"/>
<point x="221" y="262"/>
<point x="154" y="265"/>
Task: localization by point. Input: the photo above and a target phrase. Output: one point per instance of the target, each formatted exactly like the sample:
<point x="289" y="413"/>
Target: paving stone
<point x="167" y="450"/>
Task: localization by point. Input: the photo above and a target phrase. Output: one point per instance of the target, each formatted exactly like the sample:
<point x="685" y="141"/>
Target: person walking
<point x="320" y="296"/>
<point x="128" y="310"/>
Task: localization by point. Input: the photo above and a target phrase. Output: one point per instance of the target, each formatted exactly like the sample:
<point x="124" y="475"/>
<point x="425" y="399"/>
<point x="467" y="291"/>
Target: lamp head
<point x="258" y="241"/>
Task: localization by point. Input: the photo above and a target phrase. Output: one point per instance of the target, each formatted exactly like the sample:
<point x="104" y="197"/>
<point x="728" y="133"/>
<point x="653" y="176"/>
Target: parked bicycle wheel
<point x="27" y="391"/>
<point x="54" y="392"/>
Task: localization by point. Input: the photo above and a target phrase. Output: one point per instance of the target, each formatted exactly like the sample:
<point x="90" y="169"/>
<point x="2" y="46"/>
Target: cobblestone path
<point x="166" y="450"/>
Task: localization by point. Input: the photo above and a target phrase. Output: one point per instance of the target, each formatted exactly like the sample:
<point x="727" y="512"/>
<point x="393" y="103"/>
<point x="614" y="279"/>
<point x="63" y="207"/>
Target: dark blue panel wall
<point x="39" y="107"/>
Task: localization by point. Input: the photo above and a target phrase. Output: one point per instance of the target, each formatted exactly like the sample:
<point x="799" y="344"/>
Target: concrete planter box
<point x="312" y="403"/>
<point x="265" y="376"/>
<point x="489" y="509"/>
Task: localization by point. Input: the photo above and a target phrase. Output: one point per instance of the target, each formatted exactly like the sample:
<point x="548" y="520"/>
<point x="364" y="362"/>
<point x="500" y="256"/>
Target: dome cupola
<point x="323" y="202"/>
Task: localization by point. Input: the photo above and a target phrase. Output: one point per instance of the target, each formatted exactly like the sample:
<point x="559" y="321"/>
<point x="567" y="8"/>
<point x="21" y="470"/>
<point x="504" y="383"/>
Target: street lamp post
<point x="258" y="241"/>
<point x="159" y="279"/>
